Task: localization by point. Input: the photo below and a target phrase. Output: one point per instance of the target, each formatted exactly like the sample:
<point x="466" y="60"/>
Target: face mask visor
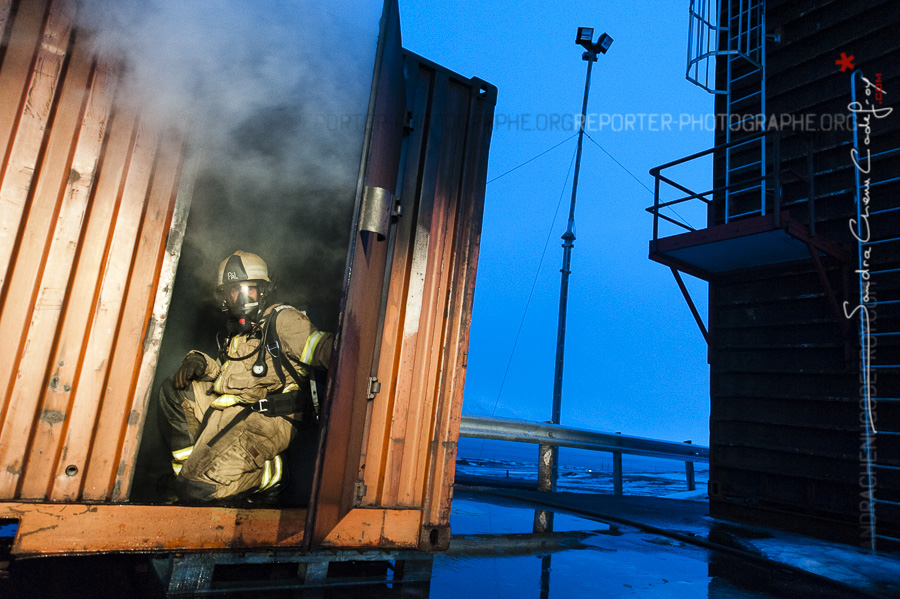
<point x="241" y="300"/>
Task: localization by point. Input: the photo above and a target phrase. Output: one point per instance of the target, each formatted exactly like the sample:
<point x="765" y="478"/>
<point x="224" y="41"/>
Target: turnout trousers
<point x="220" y="453"/>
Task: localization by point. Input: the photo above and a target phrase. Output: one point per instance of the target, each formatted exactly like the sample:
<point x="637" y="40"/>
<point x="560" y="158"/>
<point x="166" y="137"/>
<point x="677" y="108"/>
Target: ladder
<point x="734" y="30"/>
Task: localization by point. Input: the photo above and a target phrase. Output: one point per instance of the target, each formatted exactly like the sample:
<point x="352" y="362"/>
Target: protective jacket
<point x="297" y="340"/>
<point x="220" y="446"/>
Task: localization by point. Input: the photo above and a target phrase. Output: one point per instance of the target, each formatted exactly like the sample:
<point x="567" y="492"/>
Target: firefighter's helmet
<point x="244" y="285"/>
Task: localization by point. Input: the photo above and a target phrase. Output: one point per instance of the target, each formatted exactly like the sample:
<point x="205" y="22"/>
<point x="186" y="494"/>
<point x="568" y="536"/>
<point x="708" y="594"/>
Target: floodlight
<point x="603" y="43"/>
<point x="585" y="37"/>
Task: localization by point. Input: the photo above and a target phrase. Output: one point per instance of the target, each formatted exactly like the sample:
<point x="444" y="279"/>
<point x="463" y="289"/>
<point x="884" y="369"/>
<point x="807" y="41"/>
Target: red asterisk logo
<point x="845" y="62"/>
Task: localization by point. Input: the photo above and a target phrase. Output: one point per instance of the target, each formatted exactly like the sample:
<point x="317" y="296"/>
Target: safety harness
<point x="301" y="399"/>
<point x="299" y="395"/>
<point x="304" y="397"/>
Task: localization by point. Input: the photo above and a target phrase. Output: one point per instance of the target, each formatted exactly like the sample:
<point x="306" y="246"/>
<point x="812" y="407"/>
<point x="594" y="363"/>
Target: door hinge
<point x="360" y="491"/>
<point x="374" y="387"/>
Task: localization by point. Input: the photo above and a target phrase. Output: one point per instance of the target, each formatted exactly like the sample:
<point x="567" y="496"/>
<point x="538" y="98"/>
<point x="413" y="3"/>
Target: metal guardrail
<point x="501" y="429"/>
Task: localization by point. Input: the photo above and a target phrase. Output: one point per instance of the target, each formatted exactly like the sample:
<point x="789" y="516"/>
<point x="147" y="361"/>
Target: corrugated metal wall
<point x="411" y="424"/>
<point x="785" y="422"/>
<point x="334" y="490"/>
<point x="411" y="446"/>
<point x="88" y="194"/>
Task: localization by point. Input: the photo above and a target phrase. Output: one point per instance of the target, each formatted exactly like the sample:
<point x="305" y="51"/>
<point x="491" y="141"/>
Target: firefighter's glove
<point x="225" y="401"/>
<point x="192" y="368"/>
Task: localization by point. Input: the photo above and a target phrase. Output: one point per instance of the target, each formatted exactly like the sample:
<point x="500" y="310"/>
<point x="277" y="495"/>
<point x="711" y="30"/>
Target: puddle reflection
<point x="579" y="557"/>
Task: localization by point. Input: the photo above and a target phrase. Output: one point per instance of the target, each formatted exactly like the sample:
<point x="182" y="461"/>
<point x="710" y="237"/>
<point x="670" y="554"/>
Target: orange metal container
<point x="94" y="208"/>
<point x="88" y="198"/>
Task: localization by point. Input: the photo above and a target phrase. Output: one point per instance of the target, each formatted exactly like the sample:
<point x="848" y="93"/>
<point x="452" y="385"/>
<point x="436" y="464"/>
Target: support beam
<point x="690" y="302"/>
<point x="843" y="323"/>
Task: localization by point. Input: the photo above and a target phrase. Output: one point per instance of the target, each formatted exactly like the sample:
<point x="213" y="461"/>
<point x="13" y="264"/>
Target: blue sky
<point x="635" y="359"/>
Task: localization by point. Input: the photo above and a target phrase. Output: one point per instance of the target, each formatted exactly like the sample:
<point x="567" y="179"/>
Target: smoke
<point x="221" y="61"/>
<point x="272" y="96"/>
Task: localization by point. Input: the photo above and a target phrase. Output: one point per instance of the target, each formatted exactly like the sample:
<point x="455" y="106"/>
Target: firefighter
<point x="227" y="421"/>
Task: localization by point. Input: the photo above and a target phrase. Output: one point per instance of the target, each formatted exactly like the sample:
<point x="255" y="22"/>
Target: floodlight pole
<point x="549" y="456"/>
<point x="568" y="243"/>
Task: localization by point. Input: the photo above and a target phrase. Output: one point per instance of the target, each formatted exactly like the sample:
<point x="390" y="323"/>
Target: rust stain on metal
<point x="37" y="530"/>
<point x="52" y="417"/>
<point x="88" y="509"/>
<point x="149" y="334"/>
<point x="364" y="527"/>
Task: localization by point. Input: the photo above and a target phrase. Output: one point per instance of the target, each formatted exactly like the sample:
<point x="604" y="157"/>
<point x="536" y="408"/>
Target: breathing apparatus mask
<point x="241" y="300"/>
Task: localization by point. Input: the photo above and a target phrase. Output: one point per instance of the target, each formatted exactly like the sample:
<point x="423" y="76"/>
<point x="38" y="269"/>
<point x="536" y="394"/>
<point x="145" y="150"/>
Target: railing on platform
<point x="755" y="181"/>
<point x="501" y="429"/>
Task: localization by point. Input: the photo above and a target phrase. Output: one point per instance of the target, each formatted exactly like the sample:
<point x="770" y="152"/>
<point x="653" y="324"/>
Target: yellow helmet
<point x="242" y="266"/>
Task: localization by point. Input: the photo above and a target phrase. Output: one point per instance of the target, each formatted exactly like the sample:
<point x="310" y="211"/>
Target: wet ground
<point x="585" y="557"/>
<point x="600" y="546"/>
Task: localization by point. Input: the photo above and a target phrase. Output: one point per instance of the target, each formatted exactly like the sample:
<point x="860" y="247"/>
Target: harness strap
<point x="310" y="396"/>
<point x="239" y="417"/>
<point x="281" y="404"/>
<point x="204" y="422"/>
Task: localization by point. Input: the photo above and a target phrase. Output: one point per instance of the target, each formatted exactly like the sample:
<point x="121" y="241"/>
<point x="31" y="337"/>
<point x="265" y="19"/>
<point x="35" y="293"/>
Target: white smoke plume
<point x="275" y="94"/>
